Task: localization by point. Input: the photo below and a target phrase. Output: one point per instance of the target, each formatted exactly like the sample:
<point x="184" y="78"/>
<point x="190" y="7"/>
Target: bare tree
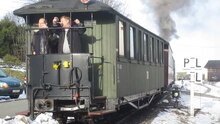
<point x="116" y="4"/>
<point x="18" y="20"/>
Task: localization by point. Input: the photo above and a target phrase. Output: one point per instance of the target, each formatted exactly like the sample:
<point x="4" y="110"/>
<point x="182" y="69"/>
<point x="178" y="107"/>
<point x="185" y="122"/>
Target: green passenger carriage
<point x="121" y="63"/>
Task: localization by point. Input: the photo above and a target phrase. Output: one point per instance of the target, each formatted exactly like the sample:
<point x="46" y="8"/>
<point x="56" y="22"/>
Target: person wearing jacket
<point x="54" y="35"/>
<point x="70" y="41"/>
<point x="40" y="38"/>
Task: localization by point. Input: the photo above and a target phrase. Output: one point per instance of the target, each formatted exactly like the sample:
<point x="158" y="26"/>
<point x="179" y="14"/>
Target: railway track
<point x="129" y="115"/>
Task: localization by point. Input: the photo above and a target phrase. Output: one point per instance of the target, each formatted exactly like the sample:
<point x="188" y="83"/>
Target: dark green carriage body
<point x="117" y="78"/>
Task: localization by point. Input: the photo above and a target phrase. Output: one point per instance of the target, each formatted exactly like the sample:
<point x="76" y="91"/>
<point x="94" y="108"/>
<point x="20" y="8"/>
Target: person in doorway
<point x="40" y="38"/>
<point x="69" y="41"/>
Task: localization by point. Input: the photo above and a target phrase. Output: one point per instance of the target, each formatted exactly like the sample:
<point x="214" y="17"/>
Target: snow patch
<point x="45" y="118"/>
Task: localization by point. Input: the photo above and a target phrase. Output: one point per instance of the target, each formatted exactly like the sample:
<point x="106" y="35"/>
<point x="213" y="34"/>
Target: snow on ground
<point x="41" y="119"/>
<point x="215" y="90"/>
<point x="208" y="112"/>
<point x="208" y="108"/>
<point x="19" y="69"/>
<point x="22" y="96"/>
<point x="186" y="86"/>
<point x="217" y="84"/>
<point x="208" y="88"/>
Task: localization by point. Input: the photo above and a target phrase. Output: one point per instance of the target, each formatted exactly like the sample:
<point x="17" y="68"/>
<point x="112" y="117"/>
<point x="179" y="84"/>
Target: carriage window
<point x="121" y="39"/>
<point x="158" y="51"/>
<point x="140" y="46"/>
<point x="160" y="54"/>
<point x="152" y="49"/>
<point x="132" y="47"/>
<point x="162" y="47"/>
<point x="145" y="44"/>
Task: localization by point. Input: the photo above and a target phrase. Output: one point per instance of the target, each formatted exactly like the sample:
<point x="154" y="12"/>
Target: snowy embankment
<point x="206" y="108"/>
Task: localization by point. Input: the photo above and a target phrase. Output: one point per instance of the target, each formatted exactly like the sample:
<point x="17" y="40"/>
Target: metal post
<point x="192" y="81"/>
<point x="189" y="65"/>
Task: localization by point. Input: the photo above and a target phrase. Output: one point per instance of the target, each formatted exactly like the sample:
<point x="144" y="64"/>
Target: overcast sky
<point x="197" y="27"/>
<point x="10" y="5"/>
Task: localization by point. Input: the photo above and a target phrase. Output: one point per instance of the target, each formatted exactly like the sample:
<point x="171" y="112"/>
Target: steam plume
<point x="162" y="10"/>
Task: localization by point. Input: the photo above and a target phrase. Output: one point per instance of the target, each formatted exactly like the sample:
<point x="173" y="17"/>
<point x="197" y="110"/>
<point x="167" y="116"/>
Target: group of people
<point x="61" y="37"/>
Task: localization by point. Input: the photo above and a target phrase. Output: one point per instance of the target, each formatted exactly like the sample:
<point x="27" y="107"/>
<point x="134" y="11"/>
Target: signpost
<point x="191" y="64"/>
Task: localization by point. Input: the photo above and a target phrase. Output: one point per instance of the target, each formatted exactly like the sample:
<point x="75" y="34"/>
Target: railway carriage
<point x="121" y="63"/>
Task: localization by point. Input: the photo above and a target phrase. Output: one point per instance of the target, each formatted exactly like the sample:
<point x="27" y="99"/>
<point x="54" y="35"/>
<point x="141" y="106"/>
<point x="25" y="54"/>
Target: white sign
<point x="192" y="64"/>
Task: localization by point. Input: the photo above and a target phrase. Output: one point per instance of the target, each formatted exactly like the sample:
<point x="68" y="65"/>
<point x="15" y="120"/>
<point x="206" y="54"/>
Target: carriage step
<point x="100" y="98"/>
<point x="25" y="113"/>
<point x="101" y="112"/>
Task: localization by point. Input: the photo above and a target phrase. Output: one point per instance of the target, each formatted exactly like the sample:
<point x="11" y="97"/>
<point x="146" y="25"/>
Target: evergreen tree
<point x="12" y="39"/>
<point x="8" y="30"/>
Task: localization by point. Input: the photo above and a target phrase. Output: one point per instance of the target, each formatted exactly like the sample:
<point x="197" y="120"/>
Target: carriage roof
<point x="68" y="6"/>
<point x="62" y="6"/>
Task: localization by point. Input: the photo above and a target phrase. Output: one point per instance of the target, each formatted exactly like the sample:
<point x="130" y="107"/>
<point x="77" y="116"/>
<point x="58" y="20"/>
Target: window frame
<point x="132" y="43"/>
<point x="152" y="48"/>
<point x="140" y="45"/>
<point x="146" y="47"/>
<point x="121" y="38"/>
